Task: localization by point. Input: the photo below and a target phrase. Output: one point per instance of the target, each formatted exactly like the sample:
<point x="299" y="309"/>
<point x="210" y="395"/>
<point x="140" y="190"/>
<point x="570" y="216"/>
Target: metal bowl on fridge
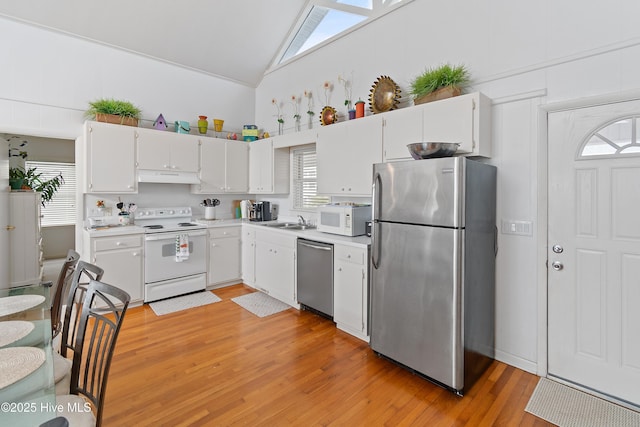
<point x="430" y="150"/>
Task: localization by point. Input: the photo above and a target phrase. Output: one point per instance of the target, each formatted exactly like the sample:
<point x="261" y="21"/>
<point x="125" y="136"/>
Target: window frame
<point x="378" y="8"/>
<point x="65" y="196"/>
<point x="298" y="181"/>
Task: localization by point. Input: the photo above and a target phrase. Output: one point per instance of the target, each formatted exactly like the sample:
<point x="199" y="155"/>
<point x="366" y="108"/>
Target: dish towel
<point x="182" y="247"/>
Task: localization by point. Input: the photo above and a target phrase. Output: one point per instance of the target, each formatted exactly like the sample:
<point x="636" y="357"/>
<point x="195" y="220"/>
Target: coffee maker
<point x="262" y="211"/>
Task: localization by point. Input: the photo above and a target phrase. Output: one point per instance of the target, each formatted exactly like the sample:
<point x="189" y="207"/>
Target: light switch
<point x="521" y="228"/>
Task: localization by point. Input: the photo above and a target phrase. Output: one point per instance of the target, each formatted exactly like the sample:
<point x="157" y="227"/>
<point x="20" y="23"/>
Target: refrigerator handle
<point x="495" y="240"/>
<point x="375" y="250"/>
<point x="375" y="247"/>
<point x="375" y="194"/>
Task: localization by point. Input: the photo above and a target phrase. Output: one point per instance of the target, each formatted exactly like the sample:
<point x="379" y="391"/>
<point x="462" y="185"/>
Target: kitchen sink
<point x="289" y="226"/>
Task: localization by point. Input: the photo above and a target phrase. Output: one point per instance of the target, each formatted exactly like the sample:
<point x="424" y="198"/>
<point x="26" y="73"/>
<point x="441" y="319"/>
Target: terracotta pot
<point x="118" y="120"/>
<point x="442" y="93"/>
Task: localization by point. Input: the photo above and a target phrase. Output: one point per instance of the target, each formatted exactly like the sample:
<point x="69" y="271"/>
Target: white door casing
<point x="4" y="213"/>
<point x="594" y="248"/>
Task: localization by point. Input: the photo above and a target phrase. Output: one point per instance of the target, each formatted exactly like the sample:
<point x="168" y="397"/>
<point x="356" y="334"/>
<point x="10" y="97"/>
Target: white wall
<point x="520" y="54"/>
<point x="49" y="78"/>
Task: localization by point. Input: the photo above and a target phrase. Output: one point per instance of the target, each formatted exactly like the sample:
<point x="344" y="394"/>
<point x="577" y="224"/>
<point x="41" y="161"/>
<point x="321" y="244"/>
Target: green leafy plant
<point x="112" y="106"/>
<point x="435" y="78"/>
<point x="32" y="180"/>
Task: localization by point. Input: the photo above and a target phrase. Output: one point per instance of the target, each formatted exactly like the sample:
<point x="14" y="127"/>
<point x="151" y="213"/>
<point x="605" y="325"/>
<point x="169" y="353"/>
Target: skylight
<point x="324" y="19"/>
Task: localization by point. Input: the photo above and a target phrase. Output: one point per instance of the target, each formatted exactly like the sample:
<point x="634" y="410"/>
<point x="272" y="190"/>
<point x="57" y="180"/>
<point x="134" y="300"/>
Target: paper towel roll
<point x="244" y="209"/>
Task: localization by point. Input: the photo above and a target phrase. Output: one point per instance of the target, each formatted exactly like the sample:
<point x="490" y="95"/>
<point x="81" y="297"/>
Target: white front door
<point x="594" y="248"/>
<point x="4" y="213"/>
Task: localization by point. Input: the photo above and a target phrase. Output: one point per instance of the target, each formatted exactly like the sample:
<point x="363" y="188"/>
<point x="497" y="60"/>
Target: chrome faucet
<point x="301" y="220"/>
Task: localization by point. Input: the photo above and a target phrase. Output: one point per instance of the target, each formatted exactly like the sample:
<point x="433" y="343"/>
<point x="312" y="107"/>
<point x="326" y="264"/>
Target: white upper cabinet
<point x="346" y="153"/>
<point x="401" y="127"/>
<point x="224" y="167"/>
<point x="110" y="158"/>
<point x="167" y="151"/>
<point x="237" y="167"/>
<point x="268" y="168"/>
<point x="464" y="119"/>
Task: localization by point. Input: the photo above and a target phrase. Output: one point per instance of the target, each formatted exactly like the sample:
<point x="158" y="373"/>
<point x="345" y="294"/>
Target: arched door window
<point x="616" y="138"/>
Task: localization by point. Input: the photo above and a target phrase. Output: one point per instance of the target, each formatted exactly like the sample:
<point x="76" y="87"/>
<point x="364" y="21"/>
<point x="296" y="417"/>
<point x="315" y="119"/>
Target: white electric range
<point x="169" y="270"/>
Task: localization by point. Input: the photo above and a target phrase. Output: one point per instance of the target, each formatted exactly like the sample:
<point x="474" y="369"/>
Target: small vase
<point x="297" y="124"/>
<point x="280" y="127"/>
<point x="352" y="114"/>
<point x="310" y="122"/>
<point x="359" y="109"/>
<point x="203" y="125"/>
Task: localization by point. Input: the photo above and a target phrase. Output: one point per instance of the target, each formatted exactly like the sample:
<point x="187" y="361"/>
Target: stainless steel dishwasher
<point x="315" y="276"/>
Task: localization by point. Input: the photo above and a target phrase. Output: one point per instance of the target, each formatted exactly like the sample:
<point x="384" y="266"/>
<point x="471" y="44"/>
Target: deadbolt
<point x="557" y="265"/>
<point x="558" y="249"/>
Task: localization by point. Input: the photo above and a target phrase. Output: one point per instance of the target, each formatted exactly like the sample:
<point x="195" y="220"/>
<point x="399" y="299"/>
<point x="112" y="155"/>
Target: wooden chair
<point x="83" y="274"/>
<point x="59" y="291"/>
<point x="103" y="310"/>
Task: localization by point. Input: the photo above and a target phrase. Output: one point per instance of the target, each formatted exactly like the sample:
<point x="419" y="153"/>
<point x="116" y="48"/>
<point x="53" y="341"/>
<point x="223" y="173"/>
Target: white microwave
<point x="346" y="220"/>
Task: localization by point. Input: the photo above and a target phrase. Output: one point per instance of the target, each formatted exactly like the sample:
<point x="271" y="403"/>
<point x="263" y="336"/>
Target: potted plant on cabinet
<point x="29" y="179"/>
<point x="439" y="83"/>
<point x="113" y="111"/>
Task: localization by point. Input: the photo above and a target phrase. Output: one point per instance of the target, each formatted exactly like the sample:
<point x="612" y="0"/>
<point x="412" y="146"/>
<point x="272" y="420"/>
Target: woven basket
<point x="442" y="93"/>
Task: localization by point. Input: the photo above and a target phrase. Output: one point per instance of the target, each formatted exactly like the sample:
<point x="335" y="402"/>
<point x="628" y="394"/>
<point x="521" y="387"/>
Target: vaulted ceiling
<point x="233" y="39"/>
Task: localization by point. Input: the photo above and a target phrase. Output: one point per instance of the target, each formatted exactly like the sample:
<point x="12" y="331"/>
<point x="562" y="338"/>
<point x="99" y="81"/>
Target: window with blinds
<point x="61" y="210"/>
<point x="305" y="184"/>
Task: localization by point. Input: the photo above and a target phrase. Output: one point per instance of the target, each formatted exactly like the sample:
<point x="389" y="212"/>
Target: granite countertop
<point x="319" y="236"/>
<point x="311" y="234"/>
<point x="114" y="230"/>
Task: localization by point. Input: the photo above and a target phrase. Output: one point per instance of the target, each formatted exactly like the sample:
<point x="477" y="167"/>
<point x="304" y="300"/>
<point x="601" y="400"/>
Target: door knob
<point x="557" y="265"/>
<point x="558" y="249"/>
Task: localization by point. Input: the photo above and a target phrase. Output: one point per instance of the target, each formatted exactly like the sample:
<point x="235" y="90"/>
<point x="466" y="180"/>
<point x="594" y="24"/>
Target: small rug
<point x="260" y="304"/>
<point x="568" y="407"/>
<point x="183" y="302"/>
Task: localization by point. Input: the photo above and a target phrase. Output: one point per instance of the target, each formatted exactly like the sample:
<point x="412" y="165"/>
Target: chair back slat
<point x="103" y="310"/>
<point x="61" y="287"/>
<point x="83" y="274"/>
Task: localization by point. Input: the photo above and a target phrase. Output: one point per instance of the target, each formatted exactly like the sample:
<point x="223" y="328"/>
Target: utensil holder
<point x="209" y="212"/>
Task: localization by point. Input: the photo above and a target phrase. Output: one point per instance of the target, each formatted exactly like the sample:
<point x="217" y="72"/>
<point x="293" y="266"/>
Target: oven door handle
<point x="172" y="236"/>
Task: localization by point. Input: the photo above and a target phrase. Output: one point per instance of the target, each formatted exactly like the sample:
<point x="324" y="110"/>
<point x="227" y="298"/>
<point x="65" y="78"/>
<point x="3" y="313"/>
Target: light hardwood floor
<point x="219" y="365"/>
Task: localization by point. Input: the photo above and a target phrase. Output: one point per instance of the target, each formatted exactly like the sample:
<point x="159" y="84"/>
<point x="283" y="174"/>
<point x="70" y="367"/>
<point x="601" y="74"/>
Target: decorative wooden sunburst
<point x="384" y="96"/>
<point x="328" y="115"/>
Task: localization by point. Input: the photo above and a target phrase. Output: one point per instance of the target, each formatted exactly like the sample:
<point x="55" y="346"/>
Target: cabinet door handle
<point x="135" y="254"/>
<point x="10" y="227"/>
<point x="118" y="243"/>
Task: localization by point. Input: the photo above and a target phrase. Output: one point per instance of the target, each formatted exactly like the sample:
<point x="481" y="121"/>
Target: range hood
<point x="168" y="177"/>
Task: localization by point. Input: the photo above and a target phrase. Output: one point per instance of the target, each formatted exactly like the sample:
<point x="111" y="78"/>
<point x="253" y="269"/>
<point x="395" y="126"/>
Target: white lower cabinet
<point x="249" y="256"/>
<point x="275" y="265"/>
<point x="351" y="290"/>
<point x="224" y="255"/>
<point x="121" y="258"/>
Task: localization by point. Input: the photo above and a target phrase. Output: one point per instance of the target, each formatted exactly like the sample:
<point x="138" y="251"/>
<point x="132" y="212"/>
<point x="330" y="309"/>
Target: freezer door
<point x="416" y="299"/>
<point x="426" y="192"/>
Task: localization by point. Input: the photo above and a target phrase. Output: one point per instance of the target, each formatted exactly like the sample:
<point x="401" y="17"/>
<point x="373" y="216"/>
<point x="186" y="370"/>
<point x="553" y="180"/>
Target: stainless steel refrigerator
<point x="433" y="248"/>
